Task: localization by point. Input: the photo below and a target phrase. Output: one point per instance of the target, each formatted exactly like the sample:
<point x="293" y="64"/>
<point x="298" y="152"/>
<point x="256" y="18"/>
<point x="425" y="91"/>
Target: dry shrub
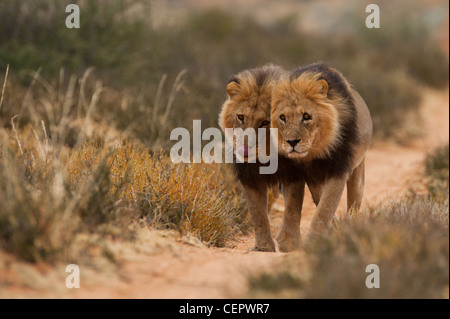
<point x="34" y="221"/>
<point x="63" y="174"/>
<point x="194" y="199"/>
<point x="408" y="240"/>
<point x="198" y="199"/>
<point x="47" y="201"/>
<point x="34" y="224"/>
<point x="437" y="169"/>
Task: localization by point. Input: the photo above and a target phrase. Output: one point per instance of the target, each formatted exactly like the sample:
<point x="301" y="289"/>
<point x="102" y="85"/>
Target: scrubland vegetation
<point x="86" y="117"/>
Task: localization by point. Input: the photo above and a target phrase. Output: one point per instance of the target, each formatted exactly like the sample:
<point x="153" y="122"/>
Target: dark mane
<point x="288" y="171"/>
<point x="340" y="158"/>
<point x="263" y="75"/>
<point x="233" y="79"/>
<point x="337" y="83"/>
<point x="337" y="163"/>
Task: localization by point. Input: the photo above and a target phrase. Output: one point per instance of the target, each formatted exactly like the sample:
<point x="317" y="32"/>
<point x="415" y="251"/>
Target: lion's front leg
<point x="288" y="236"/>
<point x="329" y="201"/>
<point x="257" y="205"/>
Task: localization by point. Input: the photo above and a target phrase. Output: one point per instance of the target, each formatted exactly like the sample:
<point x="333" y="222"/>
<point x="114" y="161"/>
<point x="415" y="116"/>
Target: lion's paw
<point x="287" y="243"/>
<point x="263" y="249"/>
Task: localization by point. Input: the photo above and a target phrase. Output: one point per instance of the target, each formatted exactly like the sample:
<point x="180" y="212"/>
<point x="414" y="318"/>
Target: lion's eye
<point x="306" y="116"/>
<point x="283" y="117"/>
<point x="241" y="117"/>
<point x="265" y="123"/>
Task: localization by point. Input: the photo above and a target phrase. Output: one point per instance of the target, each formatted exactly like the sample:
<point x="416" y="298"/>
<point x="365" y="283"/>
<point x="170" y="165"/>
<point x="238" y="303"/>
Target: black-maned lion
<point x="324" y="125"/>
<point x="324" y="130"/>
<point x="248" y="106"/>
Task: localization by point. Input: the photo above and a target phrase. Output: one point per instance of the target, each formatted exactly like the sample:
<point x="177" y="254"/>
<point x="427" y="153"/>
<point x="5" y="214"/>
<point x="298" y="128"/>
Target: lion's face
<point x="297" y="125"/>
<point x="307" y="124"/>
<point x="247" y="107"/>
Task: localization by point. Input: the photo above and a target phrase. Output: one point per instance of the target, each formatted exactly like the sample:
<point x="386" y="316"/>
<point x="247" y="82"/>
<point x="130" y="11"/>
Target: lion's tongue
<point x="243" y="150"/>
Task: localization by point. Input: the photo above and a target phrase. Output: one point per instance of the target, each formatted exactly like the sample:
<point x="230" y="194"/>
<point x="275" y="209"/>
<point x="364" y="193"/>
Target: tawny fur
<point x="310" y="94"/>
<point x="331" y="144"/>
<point x="335" y="140"/>
<point x="249" y="97"/>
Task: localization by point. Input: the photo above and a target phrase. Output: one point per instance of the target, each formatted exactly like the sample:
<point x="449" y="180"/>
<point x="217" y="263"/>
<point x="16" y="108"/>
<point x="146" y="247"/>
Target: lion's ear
<point x="325" y="87"/>
<point x="232" y="88"/>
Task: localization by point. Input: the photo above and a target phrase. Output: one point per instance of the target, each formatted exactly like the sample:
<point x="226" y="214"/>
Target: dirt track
<point x="172" y="268"/>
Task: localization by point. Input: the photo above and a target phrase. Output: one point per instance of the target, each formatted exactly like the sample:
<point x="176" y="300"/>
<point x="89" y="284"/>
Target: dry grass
<point x="62" y="175"/>
<point x="408" y="240"/>
<point x="437" y="165"/>
<point x="194" y="200"/>
<point x="82" y="156"/>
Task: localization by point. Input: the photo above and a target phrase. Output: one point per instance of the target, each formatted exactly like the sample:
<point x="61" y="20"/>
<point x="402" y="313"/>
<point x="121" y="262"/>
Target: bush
<point x="33" y="34"/>
<point x="408" y="240"/>
<point x="194" y="200"/>
<point x="437" y="169"/>
<point x="49" y="199"/>
<point x="63" y="175"/>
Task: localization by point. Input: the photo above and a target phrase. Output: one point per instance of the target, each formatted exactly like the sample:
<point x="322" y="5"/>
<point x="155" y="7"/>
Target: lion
<point x="325" y="126"/>
<point x="249" y="106"/>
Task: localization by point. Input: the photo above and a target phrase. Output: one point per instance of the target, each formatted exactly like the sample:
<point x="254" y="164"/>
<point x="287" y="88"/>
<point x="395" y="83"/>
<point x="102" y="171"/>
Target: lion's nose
<point x="293" y="142"/>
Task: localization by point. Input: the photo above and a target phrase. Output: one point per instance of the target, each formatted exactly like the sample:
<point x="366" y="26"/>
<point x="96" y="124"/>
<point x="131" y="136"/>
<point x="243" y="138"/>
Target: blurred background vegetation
<point x="87" y="113"/>
<point x="138" y="49"/>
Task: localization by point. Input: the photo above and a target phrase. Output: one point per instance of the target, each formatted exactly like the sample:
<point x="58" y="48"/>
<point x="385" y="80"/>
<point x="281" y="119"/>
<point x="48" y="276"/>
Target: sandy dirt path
<point x="171" y="267"/>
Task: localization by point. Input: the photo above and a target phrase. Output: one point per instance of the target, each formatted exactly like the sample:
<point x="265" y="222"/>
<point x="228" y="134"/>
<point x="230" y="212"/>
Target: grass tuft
<point x="437" y="169"/>
<point x="408" y="240"/>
